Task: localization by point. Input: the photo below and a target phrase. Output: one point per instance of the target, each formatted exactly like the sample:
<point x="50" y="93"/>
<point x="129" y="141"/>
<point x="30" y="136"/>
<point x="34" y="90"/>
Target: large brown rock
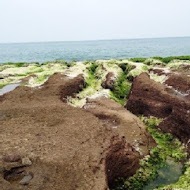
<point x="65" y="147"/>
<point x="135" y="143"/>
<point x="150" y="98"/>
<point x="109" y="82"/>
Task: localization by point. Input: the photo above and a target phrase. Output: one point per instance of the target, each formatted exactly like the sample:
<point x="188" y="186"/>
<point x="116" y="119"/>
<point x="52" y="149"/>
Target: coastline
<point x="114" y="97"/>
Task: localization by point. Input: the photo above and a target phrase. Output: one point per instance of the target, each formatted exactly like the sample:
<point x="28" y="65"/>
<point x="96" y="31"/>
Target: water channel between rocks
<point x="167" y="175"/>
<point x="8" y="88"/>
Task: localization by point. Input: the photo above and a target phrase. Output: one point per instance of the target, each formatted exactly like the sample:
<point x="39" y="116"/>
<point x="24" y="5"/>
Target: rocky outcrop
<point x="180" y="82"/>
<point x="129" y="145"/>
<point x="121" y="161"/>
<point x="73" y="86"/>
<point x="150" y="98"/>
<point x="117" y="118"/>
<point x="47" y="144"/>
<point x="109" y="82"/>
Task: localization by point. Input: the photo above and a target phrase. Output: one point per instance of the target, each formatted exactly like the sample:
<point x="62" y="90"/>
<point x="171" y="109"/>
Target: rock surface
<point x="132" y="143"/>
<point x="150" y="98"/>
<point x="68" y="147"/>
<point x="109" y="82"/>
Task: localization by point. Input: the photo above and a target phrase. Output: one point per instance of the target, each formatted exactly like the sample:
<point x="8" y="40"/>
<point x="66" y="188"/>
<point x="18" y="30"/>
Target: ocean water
<point x="92" y="50"/>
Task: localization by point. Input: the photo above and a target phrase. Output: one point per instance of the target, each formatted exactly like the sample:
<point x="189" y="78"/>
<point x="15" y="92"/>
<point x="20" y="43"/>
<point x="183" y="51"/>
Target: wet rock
<point x="12" y="158"/>
<point x="109" y="82"/>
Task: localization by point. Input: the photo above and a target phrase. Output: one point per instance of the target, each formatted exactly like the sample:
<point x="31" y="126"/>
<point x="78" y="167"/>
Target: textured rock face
<point x="72" y="88"/>
<point x="151" y="98"/>
<point x="121" y="161"/>
<point x="179" y="81"/>
<point x="109" y="82"/>
<point x="118" y="119"/>
<point x="148" y="97"/>
<point x="47" y="144"/>
<point x="130" y="143"/>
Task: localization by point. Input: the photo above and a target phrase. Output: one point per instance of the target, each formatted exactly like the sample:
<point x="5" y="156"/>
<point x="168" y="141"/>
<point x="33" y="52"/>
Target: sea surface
<point x="93" y="50"/>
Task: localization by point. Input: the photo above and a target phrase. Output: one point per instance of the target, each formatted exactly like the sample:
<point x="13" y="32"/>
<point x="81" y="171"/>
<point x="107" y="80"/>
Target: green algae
<point x="121" y="89"/>
<point x="95" y="75"/>
<point x="91" y="86"/>
<point x="138" y="59"/>
<point x="14" y="73"/>
<point x="167" y="147"/>
<point x="139" y="68"/>
<point x="171" y="58"/>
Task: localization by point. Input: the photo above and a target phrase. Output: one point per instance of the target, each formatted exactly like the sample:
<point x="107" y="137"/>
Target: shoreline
<point x="133" y="104"/>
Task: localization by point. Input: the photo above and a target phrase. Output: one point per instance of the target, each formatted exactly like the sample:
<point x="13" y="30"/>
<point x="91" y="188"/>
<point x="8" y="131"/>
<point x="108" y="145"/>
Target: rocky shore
<point x="105" y="124"/>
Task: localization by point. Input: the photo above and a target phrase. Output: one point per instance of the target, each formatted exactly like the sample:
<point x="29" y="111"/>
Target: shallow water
<point x="167" y="175"/>
<point x="8" y="88"/>
<point x="93" y="50"/>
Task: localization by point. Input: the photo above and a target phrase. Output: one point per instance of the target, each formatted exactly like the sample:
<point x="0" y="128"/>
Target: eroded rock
<point x="121" y="161"/>
<point x="109" y="82"/>
<point x="150" y="98"/>
<point x="68" y="146"/>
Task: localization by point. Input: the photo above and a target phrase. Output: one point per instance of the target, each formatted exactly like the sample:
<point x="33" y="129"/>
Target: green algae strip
<point x="153" y="165"/>
<point x="14" y="73"/>
<point x="95" y="74"/>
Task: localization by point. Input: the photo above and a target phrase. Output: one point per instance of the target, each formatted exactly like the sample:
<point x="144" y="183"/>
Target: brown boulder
<point x="68" y="147"/>
<point x="150" y="98"/>
<point x="130" y="143"/>
<point x="109" y="82"/>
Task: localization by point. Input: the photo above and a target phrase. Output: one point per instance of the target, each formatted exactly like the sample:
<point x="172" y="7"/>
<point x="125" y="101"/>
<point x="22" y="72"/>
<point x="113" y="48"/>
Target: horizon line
<point x="56" y="41"/>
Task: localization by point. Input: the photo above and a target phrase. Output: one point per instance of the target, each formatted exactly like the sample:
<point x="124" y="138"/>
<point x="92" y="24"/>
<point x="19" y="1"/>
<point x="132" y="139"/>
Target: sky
<point x="76" y="20"/>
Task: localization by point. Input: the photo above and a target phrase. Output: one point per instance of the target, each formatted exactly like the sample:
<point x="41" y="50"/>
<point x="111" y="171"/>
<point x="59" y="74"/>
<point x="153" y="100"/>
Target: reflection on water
<point x="167" y="175"/>
<point x="8" y="88"/>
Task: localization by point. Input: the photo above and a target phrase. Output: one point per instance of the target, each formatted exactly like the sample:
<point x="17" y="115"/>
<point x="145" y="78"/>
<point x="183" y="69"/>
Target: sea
<point x="93" y="50"/>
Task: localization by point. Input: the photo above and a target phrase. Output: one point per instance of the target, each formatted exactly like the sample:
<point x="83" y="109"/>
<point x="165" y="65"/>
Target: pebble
<point x="26" y="179"/>
<point x="26" y="162"/>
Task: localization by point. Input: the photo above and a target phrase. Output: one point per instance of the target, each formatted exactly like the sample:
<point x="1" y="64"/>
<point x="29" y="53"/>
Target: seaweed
<point x="121" y="89"/>
<point x="138" y="59"/>
<point x="171" y="58"/>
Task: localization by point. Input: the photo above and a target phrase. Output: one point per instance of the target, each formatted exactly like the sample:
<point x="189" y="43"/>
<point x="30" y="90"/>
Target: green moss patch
<point x="121" y="89"/>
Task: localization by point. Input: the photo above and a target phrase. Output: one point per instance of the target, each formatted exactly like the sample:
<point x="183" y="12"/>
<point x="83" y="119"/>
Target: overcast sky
<point x="68" y="20"/>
